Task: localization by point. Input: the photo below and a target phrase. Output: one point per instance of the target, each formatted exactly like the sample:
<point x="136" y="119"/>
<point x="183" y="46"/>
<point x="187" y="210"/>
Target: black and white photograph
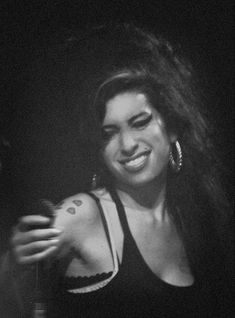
<point x="116" y="159"/>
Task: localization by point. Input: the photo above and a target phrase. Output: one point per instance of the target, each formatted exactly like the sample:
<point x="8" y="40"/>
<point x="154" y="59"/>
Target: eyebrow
<point x="131" y="120"/>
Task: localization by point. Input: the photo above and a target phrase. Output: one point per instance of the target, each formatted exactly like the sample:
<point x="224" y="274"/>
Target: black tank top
<point x="134" y="292"/>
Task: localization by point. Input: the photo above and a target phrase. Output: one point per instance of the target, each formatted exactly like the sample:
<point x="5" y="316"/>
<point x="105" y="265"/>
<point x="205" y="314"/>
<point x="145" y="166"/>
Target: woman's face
<point x="136" y="144"/>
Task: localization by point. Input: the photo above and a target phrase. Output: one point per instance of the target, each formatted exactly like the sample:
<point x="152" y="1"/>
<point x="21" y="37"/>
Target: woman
<point x="149" y="239"/>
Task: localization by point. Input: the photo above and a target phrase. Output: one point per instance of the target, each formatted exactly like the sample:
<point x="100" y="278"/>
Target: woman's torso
<point x="143" y="263"/>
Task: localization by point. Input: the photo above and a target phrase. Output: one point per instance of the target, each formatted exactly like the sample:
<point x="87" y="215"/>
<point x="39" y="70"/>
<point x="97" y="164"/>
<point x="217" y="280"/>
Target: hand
<point x="34" y="239"/>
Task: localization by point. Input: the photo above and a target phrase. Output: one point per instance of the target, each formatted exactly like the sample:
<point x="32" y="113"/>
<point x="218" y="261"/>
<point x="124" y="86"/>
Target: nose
<point x="128" y="144"/>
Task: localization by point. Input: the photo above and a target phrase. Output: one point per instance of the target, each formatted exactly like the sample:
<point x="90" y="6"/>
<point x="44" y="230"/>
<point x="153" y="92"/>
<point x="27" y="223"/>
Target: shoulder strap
<point x="121" y="212"/>
<point x="104" y="219"/>
<point x="105" y="223"/>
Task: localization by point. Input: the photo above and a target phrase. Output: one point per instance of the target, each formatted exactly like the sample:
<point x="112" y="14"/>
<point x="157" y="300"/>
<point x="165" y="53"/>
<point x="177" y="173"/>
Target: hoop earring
<point x="176" y="165"/>
<point x="94" y="181"/>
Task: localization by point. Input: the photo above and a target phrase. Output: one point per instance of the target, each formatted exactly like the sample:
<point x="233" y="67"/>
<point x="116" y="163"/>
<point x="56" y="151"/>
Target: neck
<point x="147" y="197"/>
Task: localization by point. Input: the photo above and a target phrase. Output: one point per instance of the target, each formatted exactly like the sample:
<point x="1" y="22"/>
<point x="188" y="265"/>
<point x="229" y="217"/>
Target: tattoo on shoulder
<point x="71" y="210"/>
<point x="77" y="202"/>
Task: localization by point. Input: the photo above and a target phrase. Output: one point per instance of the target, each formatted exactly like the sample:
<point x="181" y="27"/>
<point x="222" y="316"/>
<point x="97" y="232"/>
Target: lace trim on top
<point x="85" y="281"/>
<point x="100" y="284"/>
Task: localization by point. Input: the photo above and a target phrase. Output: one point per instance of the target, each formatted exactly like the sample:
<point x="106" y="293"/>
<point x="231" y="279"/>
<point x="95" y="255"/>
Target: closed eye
<point x="143" y="122"/>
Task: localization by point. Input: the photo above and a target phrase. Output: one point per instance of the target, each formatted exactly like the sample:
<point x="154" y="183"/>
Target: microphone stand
<point x="39" y="309"/>
<point x="45" y="208"/>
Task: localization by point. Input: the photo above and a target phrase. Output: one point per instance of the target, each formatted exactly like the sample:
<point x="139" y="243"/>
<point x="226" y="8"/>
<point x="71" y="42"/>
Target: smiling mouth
<point x="137" y="163"/>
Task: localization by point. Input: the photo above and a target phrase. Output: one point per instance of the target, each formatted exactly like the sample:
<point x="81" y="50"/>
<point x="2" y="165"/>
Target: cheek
<point x="154" y="135"/>
<point x="104" y="156"/>
<point x="158" y="140"/>
<point x="108" y="154"/>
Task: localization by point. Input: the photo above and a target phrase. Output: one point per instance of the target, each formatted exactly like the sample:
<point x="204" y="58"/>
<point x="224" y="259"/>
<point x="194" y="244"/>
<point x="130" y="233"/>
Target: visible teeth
<point x="136" y="161"/>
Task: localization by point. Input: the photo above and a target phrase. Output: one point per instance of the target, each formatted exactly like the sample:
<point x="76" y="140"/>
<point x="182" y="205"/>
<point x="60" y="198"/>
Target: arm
<point x="34" y="239"/>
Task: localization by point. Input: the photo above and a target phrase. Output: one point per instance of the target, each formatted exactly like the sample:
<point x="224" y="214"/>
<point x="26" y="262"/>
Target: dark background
<point x="45" y="158"/>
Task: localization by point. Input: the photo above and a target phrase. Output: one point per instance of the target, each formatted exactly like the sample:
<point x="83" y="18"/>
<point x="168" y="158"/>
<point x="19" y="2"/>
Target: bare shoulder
<point x="80" y="209"/>
<point x="83" y="243"/>
<point x="77" y="216"/>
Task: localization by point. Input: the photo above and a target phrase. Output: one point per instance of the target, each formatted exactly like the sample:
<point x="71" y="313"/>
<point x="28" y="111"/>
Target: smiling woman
<point x="137" y="148"/>
<point x="151" y="238"/>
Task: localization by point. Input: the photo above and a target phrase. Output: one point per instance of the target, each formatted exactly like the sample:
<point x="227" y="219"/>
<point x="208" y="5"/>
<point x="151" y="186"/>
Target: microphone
<point x="46" y="208"/>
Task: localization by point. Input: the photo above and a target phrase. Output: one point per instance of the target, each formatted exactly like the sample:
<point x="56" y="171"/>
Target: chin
<point x="138" y="181"/>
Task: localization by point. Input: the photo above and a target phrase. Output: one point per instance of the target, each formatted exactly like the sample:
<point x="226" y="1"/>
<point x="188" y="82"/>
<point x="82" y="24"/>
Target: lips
<point x="136" y="162"/>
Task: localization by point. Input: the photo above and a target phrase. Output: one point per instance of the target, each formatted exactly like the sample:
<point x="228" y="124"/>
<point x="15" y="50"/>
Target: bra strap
<point x="106" y="225"/>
